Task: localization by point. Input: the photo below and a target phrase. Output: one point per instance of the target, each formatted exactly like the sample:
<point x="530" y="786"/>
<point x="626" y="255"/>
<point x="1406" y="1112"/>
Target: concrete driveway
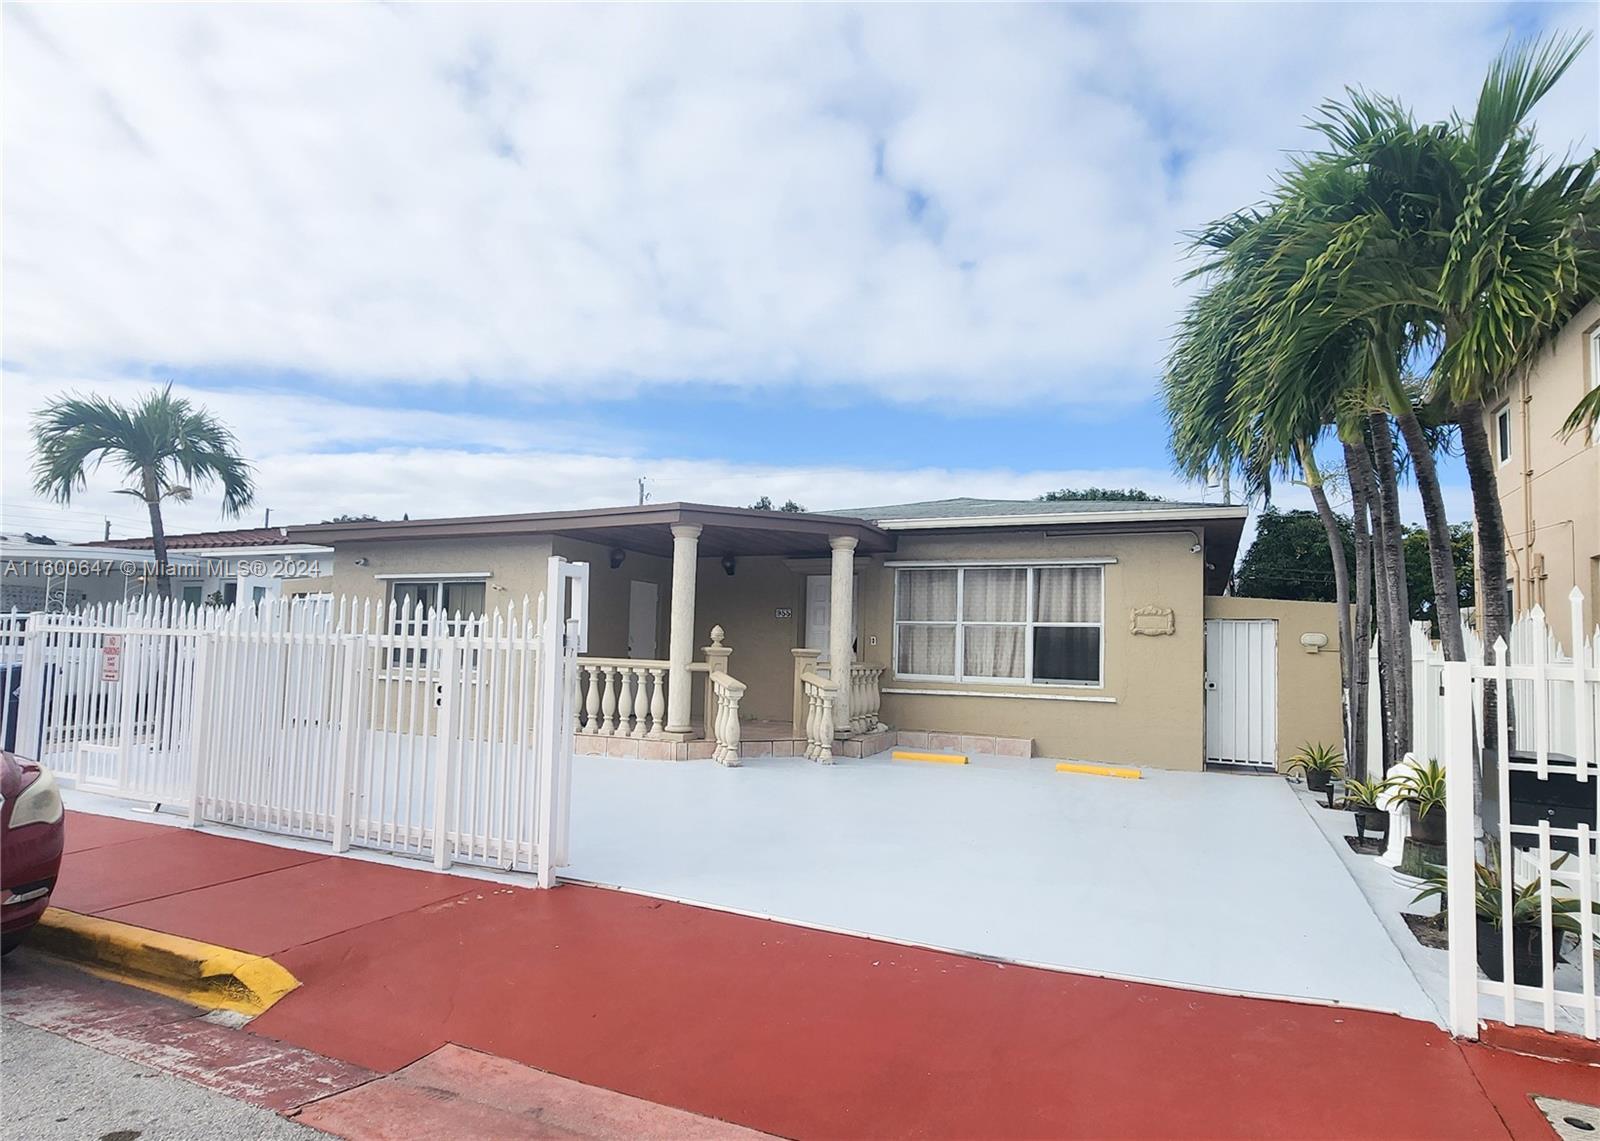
<point x="1202" y="880"/>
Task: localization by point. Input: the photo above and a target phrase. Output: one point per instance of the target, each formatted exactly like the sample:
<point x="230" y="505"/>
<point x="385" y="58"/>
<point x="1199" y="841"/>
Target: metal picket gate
<point x="1544" y="875"/>
<point x="432" y="735"/>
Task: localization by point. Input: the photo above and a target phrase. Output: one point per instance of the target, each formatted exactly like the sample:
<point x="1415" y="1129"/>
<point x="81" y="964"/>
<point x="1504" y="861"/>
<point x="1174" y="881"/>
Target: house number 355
<point x="783" y="612"/>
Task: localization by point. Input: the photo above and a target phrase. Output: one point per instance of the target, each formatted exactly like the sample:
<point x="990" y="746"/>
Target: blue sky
<point x="446" y="260"/>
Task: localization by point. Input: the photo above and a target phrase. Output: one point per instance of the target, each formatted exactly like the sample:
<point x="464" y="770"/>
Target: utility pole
<point x="1227" y="495"/>
<point x="108" y="530"/>
<point x="643" y="495"/>
<point x="267" y="519"/>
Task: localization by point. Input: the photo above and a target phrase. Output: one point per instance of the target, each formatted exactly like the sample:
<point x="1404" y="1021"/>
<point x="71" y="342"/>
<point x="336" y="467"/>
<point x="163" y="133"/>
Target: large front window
<point x="459" y="600"/>
<point x="1042" y="624"/>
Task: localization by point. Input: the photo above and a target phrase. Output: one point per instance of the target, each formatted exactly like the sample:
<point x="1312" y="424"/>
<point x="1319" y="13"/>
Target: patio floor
<point x="1202" y="880"/>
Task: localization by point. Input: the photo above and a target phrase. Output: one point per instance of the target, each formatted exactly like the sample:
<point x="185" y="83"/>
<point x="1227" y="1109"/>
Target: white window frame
<point x="1502" y="440"/>
<point x="399" y="622"/>
<point x="1594" y="379"/>
<point x="1029" y="624"/>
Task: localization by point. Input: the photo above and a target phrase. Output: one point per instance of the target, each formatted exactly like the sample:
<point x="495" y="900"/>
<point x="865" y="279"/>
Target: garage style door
<point x="1242" y="692"/>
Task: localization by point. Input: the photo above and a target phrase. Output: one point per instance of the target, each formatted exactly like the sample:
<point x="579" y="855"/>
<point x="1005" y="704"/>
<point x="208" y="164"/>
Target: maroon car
<point x="31" y="832"/>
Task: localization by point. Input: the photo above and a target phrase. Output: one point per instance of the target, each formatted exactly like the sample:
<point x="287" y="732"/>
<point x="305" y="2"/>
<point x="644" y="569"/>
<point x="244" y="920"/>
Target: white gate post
<point x="128" y="685"/>
<point x="200" y="729"/>
<point x="561" y="639"/>
<point x="1422" y="743"/>
<point x="30" y="701"/>
<point x="551" y="639"/>
<point x="444" y="655"/>
<point x="1461" y="923"/>
<point x="352" y="666"/>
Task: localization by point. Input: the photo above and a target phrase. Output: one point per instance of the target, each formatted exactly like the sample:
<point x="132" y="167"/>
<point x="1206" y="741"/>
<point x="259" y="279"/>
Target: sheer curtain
<point x="1063" y="653"/>
<point x="925" y="622"/>
<point x="990" y="596"/>
<point x="1066" y="594"/>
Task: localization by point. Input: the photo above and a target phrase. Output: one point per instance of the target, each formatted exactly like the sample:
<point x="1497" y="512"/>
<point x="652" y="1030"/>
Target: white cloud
<point x="317" y="458"/>
<point x="582" y="199"/>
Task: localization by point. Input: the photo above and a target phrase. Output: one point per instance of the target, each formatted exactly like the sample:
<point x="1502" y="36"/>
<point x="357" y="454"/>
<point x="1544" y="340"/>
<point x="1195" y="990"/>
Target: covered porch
<point x="759" y="613"/>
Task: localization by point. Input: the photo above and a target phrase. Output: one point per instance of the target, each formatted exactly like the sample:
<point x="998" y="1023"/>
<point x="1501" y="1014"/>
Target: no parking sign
<point x="111" y="658"/>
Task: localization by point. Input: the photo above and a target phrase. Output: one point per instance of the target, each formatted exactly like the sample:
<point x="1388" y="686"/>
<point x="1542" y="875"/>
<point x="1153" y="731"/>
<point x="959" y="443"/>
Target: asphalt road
<point x="54" y="1089"/>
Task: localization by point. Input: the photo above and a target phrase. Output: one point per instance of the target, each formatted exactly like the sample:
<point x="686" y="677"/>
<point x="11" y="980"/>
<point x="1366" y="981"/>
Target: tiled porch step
<point x="968" y="743"/>
<point x="690" y="750"/>
<point x="867" y="746"/>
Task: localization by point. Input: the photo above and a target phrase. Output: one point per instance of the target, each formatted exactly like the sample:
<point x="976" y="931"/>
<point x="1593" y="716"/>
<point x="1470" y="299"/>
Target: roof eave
<point x="1067" y="519"/>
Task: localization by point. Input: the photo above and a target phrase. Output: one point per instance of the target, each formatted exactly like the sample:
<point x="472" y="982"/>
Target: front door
<point x="1242" y="692"/>
<point x="644" y="599"/>
<point x="819" y="611"/>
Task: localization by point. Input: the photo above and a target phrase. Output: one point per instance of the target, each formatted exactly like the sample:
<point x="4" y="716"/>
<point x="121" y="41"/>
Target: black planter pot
<point x="1527" y="953"/>
<point x="1318" y="781"/>
<point x="1374" y="820"/>
<point x="1428" y="829"/>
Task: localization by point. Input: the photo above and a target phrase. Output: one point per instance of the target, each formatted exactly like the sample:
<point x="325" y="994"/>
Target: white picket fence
<point x="415" y="732"/>
<point x="1548" y="730"/>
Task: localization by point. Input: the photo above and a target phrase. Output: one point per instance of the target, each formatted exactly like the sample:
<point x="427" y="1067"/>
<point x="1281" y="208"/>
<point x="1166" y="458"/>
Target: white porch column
<point x="680" y="640"/>
<point x="840" y="624"/>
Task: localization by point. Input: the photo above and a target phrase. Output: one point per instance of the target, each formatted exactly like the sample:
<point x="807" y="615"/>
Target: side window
<point x="1502" y="434"/>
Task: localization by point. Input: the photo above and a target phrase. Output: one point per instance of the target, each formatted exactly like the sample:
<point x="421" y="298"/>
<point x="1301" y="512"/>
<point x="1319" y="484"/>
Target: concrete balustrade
<point x="723" y="718"/>
<point x="622" y="697"/>
<point x="820" y="694"/>
<point x="866" y="697"/>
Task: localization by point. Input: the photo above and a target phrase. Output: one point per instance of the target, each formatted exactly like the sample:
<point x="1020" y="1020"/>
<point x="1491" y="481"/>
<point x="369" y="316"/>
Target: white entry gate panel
<point x="1525" y="950"/>
<point x="419" y="732"/>
<point x="1242" y="691"/>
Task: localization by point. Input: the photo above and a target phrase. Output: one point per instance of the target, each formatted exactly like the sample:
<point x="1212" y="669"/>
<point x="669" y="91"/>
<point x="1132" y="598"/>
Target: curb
<point x="217" y="978"/>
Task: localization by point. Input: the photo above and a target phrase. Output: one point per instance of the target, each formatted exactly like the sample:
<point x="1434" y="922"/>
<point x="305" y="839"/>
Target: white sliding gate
<point x="1547" y="732"/>
<point x="1242" y="691"/>
<point x="410" y="731"/>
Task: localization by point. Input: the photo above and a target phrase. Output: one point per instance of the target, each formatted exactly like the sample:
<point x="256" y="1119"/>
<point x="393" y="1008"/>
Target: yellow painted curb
<point x="1098" y="770"/>
<point x="218" y="978"/>
<point x="938" y="758"/>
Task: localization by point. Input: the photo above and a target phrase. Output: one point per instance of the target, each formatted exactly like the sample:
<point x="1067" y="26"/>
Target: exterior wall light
<point x="729" y="564"/>
<point x="1314" y="643"/>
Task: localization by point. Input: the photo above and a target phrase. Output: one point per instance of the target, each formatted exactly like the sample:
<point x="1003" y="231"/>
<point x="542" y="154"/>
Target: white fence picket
<point x="1546" y="730"/>
<point x="416" y="732"/>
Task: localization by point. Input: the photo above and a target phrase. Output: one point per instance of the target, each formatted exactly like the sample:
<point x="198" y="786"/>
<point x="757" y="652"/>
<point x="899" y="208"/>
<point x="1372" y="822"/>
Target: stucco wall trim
<point x="993" y="693"/>
<point x="1091" y="561"/>
<point x="1177" y="514"/>
<point x="408" y="575"/>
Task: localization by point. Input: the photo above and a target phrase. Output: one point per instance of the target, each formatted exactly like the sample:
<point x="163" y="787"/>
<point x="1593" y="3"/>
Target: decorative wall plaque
<point x="1152" y="621"/>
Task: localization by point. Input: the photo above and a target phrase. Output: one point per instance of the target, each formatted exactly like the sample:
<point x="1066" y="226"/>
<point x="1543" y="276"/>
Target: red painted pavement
<point x="799" y="1032"/>
<point x="455" y="1092"/>
<point x="169" y="1036"/>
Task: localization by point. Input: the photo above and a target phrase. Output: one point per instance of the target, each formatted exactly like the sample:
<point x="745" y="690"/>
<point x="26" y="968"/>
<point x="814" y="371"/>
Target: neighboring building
<point x="43" y="575"/>
<point x="248" y="565"/>
<point x="1070" y="630"/>
<point x="1549" y="483"/>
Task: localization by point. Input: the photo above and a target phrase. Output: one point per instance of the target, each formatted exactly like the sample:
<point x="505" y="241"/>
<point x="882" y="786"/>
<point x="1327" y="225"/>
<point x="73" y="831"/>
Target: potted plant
<point x="1423" y="789"/>
<point x="1527" y="905"/>
<point x="1361" y="797"/>
<point x="1320" y="763"/>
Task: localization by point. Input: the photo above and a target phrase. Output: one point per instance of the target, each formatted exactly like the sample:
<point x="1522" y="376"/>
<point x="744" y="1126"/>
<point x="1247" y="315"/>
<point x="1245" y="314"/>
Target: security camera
<point x="1195" y="550"/>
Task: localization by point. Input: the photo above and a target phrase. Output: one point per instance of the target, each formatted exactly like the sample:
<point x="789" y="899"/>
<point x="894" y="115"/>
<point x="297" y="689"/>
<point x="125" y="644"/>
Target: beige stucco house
<point x="1063" y="630"/>
<point x="1549" y="482"/>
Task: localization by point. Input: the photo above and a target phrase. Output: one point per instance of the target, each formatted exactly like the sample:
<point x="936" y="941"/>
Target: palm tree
<point x="1346" y="276"/>
<point x="1214" y="420"/>
<point x="164" y="446"/>
<point x="1516" y="265"/>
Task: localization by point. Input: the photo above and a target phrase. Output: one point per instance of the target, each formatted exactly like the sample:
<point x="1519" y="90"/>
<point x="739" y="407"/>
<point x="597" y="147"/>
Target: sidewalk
<point x="787" y="1030"/>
